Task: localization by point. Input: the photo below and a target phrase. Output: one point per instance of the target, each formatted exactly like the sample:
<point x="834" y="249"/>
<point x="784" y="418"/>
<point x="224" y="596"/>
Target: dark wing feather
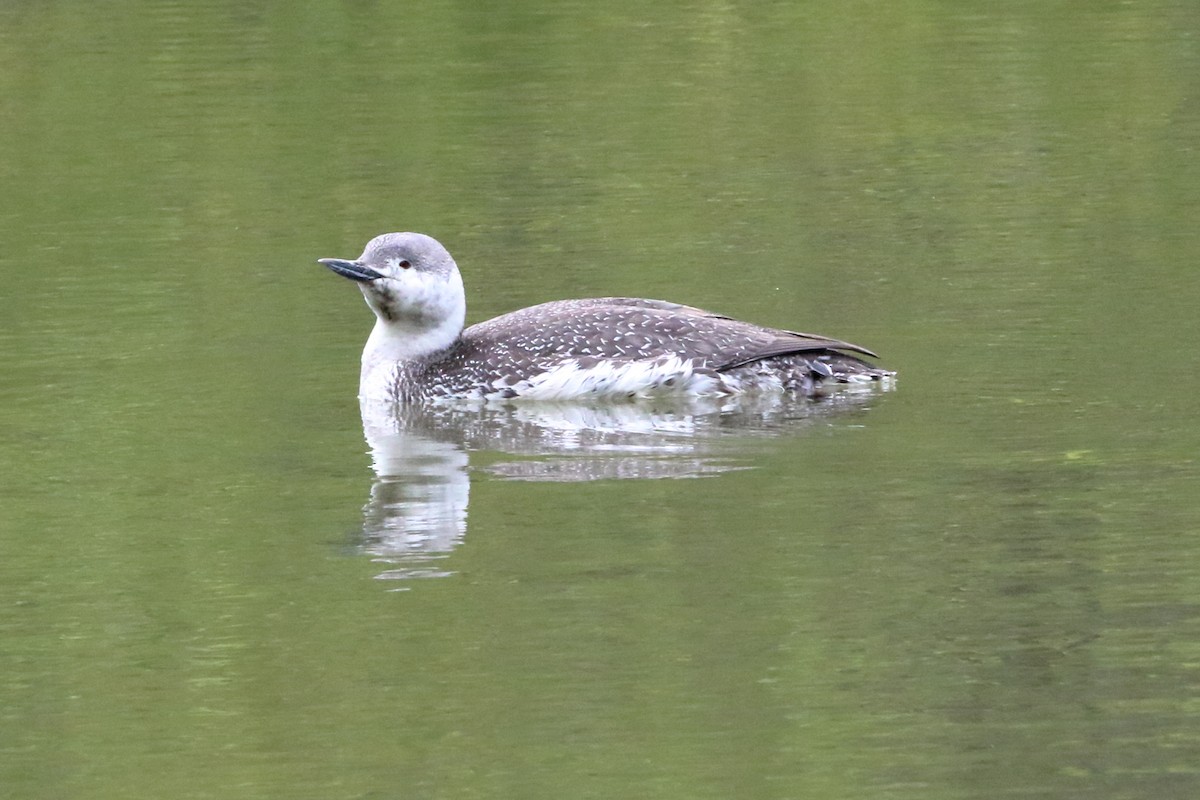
<point x="627" y="328"/>
<point x="785" y="345"/>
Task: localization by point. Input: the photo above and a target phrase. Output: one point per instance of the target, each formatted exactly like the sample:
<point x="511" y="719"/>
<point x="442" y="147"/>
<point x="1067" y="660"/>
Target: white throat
<point x="418" y="315"/>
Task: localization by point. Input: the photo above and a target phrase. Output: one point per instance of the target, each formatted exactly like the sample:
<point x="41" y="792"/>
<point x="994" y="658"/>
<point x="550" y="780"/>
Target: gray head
<point x="412" y="284"/>
<point x="385" y="255"/>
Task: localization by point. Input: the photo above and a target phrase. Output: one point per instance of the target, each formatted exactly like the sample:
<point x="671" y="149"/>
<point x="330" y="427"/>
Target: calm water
<point x="217" y="582"/>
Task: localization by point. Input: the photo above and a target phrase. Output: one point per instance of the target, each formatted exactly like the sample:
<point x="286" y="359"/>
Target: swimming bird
<point x="603" y="347"/>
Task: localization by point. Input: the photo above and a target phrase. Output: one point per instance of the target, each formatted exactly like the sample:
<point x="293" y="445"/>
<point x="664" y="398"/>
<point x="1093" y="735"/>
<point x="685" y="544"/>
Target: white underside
<point x="648" y="378"/>
<point x="377" y="382"/>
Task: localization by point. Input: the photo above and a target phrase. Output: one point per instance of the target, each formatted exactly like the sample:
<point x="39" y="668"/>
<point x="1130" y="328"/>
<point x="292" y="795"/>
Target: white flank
<point x="649" y="377"/>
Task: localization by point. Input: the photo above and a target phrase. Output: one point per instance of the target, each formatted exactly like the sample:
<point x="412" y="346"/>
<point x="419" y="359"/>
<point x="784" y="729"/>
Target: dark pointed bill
<point x="354" y="270"/>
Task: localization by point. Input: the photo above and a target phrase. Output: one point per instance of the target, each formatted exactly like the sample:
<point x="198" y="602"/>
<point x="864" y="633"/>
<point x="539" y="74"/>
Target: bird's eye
<point x="404" y="264"/>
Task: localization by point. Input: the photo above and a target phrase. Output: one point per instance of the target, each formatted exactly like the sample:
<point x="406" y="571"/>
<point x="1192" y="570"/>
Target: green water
<point x="984" y="583"/>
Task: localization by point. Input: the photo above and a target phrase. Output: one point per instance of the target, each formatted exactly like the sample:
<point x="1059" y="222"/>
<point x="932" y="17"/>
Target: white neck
<point x="414" y="321"/>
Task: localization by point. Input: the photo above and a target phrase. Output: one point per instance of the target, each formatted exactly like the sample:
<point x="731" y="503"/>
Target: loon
<point x="567" y="350"/>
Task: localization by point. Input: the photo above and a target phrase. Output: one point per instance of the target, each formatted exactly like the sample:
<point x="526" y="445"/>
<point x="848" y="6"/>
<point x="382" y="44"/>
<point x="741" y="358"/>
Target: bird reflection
<point x="418" y="507"/>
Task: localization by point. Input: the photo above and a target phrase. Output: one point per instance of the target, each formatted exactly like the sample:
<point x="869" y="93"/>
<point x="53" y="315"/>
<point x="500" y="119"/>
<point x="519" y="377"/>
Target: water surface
<point x="217" y="583"/>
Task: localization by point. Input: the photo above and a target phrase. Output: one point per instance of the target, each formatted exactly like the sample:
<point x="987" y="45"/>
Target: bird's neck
<point x="392" y="341"/>
<point x="416" y="325"/>
<point x="395" y="348"/>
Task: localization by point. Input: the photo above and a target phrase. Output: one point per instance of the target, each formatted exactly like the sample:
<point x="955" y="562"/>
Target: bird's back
<point x="621" y="346"/>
